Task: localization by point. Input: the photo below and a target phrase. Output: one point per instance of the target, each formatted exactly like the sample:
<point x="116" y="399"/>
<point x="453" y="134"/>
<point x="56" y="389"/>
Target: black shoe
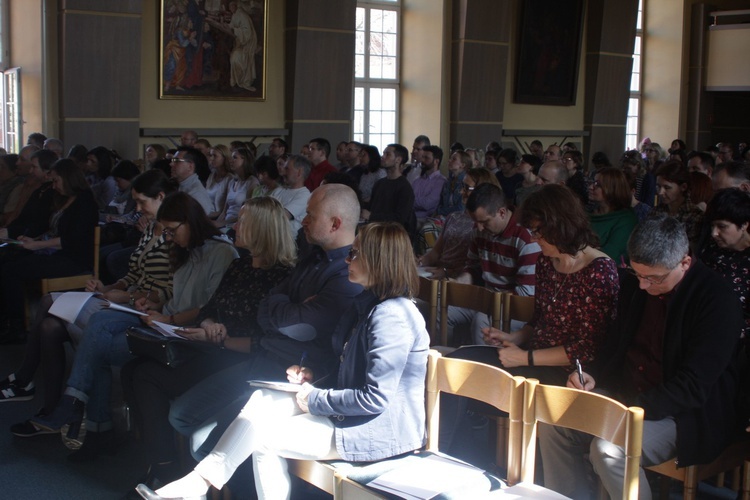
<point x="12" y="390"/>
<point x="68" y="411"/>
<point x="95" y="444"/>
<point x="27" y="429"/>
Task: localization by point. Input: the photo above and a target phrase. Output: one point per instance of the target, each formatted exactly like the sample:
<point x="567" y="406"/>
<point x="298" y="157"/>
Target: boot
<point x="68" y="411"/>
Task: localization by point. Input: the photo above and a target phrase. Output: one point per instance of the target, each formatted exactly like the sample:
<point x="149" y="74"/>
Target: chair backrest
<point x="429" y="291"/>
<point x="48" y="285"/>
<point x="588" y="412"/>
<point x="482" y="382"/>
<point x="472" y="297"/>
<point x="516" y="308"/>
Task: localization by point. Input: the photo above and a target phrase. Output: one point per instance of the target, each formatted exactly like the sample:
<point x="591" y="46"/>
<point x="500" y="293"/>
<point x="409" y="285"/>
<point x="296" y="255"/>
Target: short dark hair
<point x="10" y="161"/>
<point x="45" y="158"/>
<point x="509" y="155"/>
<point x="487" y="196"/>
<point x="735" y="170"/>
<point x="401" y="152"/>
<point x="152" y="182"/>
<point x="281" y="142"/>
<point x="436" y="151"/>
<point x="198" y="159"/>
<point x="181" y="207"/>
<point x="560" y="217"/>
<point x="125" y="169"/>
<point x="422" y="139"/>
<point x="267" y="165"/>
<point x="674" y="171"/>
<point x="36" y="137"/>
<point x="707" y="159"/>
<point x="729" y="204"/>
<point x="104" y="159"/>
<point x="323" y="144"/>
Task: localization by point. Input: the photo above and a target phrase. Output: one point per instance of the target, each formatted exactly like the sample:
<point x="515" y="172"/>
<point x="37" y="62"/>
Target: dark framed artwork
<point x="213" y="49"/>
<point x="549" y="46"/>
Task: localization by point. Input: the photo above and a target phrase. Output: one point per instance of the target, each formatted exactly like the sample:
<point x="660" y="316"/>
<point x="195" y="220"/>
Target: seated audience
<point x="701" y="190"/>
<point x="575" y="302"/>
<point x="727" y="252"/>
<point x="185" y="165"/>
<point x="65" y="249"/>
<point x="670" y="353"/>
<point x="99" y="169"/>
<point x="148" y="276"/>
<point x="219" y="160"/>
<point x="122" y="202"/>
<point x="370" y="161"/>
<point x="240" y="186"/>
<point x="654" y="157"/>
<point x="198" y="259"/>
<point x="10" y="186"/>
<point x="502" y="255"/>
<point x="528" y="166"/>
<point x="228" y="319"/>
<point x="319" y="150"/>
<point x="448" y="257"/>
<point x="154" y="152"/>
<point x="429" y="185"/>
<point x="379" y="390"/>
<point x="268" y="176"/>
<point x="641" y="210"/>
<point x="733" y="174"/>
<point x="573" y="161"/>
<point x="33" y="220"/>
<point x="645" y="189"/>
<point x="612" y="220"/>
<point x="673" y="187"/>
<point x="508" y="176"/>
<point x="293" y="194"/>
<point x="392" y="197"/>
<point x="701" y="162"/>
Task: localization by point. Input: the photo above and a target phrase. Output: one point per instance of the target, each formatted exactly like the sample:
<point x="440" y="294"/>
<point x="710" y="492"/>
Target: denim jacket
<point x="379" y="406"/>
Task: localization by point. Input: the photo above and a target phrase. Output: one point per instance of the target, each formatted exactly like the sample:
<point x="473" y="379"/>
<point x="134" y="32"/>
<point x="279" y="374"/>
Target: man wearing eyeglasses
<point x="184" y="164"/>
<point x="672" y="354"/>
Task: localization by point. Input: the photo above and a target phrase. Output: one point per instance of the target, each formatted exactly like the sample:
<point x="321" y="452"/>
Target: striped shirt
<point x="505" y="261"/>
<point x="148" y="267"/>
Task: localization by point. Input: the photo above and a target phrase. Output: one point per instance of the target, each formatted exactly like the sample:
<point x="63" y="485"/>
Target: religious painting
<point x="213" y="49"/>
<point x="549" y="46"/>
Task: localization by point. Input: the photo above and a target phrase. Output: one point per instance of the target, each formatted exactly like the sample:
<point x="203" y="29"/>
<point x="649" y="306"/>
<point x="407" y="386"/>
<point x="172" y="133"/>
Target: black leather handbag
<point x="169" y="351"/>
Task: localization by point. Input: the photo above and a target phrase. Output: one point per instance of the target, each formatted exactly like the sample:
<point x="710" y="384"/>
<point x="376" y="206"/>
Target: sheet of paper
<point x="527" y="490"/>
<point x="68" y="305"/>
<point x="429" y="476"/>
<point x="168" y="330"/>
<point x="277" y="386"/>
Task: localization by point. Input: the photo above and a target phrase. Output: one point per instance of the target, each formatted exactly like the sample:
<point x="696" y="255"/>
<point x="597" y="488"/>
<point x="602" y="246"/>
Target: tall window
<point x="376" y="72"/>
<point x="633" y="128"/>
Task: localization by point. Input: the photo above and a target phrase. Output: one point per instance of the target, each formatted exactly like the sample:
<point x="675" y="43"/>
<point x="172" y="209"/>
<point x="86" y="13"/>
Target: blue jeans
<point x="204" y="411"/>
<point x="103" y="346"/>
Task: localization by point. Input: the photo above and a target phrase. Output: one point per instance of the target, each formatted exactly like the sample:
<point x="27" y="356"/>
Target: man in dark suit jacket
<point x="672" y="353"/>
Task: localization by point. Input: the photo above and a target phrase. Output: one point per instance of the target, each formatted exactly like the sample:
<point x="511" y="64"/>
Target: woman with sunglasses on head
<point x="375" y="409"/>
<point x="228" y="319"/>
<point x="448" y="257"/>
<point x="198" y="259"/>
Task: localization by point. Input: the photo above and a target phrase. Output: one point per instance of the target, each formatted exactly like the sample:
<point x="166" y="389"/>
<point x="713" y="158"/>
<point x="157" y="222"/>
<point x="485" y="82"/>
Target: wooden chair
<point x="587" y="412"/>
<point x="429" y="291"/>
<point x="472" y="297"/>
<point x="74" y="282"/>
<point x="452" y="376"/>
<point x="734" y="458"/>
<point x="516" y="308"/>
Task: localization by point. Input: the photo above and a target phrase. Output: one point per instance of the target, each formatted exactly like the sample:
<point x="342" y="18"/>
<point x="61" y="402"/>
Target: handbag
<point x="169" y="351"/>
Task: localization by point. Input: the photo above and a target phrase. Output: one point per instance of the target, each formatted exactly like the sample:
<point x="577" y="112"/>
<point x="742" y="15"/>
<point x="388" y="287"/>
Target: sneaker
<point x="27" y="429"/>
<point x="13" y="392"/>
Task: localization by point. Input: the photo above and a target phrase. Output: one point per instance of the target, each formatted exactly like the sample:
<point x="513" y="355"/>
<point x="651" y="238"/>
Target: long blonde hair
<point x="266" y="232"/>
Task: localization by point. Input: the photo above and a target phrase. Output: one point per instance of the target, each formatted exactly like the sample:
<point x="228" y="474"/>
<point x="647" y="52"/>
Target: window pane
<point x="633" y="107"/>
<point x="388" y="122"/>
<point x="375" y="122"/>
<point x="389" y="99"/>
<point x="390" y="21"/>
<point x="637" y="49"/>
<point x="632" y="125"/>
<point x="360" y="19"/>
<point x="376" y="98"/>
<point x="389" y="45"/>
<point x="359" y="98"/>
<point x="376" y="44"/>
<point x="635" y="82"/>
<point x="359" y="66"/>
<point x="376" y="20"/>
<point x="389" y="68"/>
<point x="359" y="122"/>
<point x="359" y="43"/>
<point x="376" y="67"/>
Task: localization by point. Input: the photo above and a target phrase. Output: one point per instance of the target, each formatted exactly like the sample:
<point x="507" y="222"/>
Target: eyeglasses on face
<point x="653" y="279"/>
<point x="468" y="188"/>
<point x="353" y="253"/>
<point x="178" y="160"/>
<point x="536" y="232"/>
<point x="169" y="232"/>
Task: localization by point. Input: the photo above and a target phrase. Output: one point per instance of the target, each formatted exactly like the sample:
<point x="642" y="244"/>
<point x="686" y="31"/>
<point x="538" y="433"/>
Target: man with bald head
<point x="188" y="138"/>
<point x="298" y="318"/>
<point x="553" y="153"/>
<point x="552" y="172"/>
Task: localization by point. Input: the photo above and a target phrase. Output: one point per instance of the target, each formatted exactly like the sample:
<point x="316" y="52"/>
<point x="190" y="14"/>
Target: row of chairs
<point x="526" y="401"/>
<point x="501" y="307"/>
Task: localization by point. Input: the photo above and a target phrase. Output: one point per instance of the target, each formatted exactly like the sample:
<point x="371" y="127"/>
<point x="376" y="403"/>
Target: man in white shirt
<point x="294" y="195"/>
<point x="185" y="162"/>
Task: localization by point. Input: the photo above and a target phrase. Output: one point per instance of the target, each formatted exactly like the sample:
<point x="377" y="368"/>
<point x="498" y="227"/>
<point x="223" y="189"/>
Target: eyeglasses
<point x="178" y="160"/>
<point x="353" y="253"/>
<point x="654" y="280"/>
<point x="596" y="184"/>
<point x="536" y="232"/>
<point x="169" y="232"/>
<point x="468" y="188"/>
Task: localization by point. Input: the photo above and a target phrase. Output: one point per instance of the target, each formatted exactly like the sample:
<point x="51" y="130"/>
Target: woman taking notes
<point x="377" y="407"/>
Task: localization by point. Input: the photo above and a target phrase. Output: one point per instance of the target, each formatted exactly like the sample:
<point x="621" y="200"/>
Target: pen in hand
<point x="580" y="373"/>
<point x="302" y="360"/>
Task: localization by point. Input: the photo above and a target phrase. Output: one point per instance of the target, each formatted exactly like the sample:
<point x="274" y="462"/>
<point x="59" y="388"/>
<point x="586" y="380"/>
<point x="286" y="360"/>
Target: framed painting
<point x="213" y="49"/>
<point x="549" y="46"/>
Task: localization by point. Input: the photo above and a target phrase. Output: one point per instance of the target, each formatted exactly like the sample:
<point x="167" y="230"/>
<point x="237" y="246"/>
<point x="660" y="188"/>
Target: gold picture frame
<point x="213" y="49"/>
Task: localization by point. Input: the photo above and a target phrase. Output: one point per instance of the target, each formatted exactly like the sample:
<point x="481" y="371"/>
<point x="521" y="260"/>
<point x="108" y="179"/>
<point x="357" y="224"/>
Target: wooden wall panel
<point x="121" y="6"/>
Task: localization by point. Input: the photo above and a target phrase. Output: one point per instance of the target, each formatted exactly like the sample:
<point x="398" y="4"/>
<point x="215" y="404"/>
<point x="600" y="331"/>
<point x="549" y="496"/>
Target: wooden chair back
<point x="484" y="383"/>
<point x="516" y="308"/>
<point x="75" y="282"/>
<point x="588" y="412"/>
<point x="472" y="297"/>
<point x="429" y="291"/>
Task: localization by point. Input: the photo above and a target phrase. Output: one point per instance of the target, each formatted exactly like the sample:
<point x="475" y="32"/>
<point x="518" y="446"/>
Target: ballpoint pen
<point x="580" y="373"/>
<point x="301" y="361"/>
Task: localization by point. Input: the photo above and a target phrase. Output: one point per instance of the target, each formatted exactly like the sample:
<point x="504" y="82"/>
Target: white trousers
<point x="271" y="428"/>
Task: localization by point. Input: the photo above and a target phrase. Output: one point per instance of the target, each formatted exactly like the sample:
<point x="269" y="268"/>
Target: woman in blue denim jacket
<point x="376" y="410"/>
